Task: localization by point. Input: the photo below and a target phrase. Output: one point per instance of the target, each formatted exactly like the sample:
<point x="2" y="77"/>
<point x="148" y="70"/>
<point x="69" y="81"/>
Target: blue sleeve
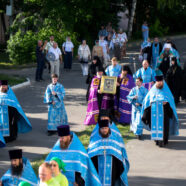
<point x="107" y="71"/>
<point x="130" y="96"/>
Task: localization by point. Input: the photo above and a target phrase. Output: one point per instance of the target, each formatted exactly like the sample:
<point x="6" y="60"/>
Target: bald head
<point x="145" y="64"/>
<point x="45" y="172"/>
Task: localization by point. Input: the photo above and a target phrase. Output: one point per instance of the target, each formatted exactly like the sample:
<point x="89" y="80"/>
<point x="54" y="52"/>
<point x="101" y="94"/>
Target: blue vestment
<point x="113" y="70"/>
<point x="2" y="141"/>
<point x="9" y="100"/>
<point x="147" y="75"/>
<point x="146" y="32"/>
<point x="157" y="96"/>
<point x="56" y="113"/>
<point x="136" y="123"/>
<point x="155" y="54"/>
<point x="28" y="175"/>
<point x="105" y="149"/>
<point x="76" y="160"/>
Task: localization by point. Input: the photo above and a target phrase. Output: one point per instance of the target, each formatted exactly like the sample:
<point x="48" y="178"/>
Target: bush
<point x="157" y="29"/>
<point x="21" y="47"/>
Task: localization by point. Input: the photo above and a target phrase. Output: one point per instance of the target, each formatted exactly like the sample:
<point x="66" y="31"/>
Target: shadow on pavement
<point x="150" y="181"/>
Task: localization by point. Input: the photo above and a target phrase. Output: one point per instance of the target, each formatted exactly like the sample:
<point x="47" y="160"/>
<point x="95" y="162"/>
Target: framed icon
<point x="108" y="85"/>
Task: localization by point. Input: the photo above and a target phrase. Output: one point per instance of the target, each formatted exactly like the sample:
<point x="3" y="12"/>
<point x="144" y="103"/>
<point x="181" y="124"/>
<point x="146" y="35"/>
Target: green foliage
<point x="157" y="29"/>
<point x="21" y="47"/>
<point x="12" y="80"/>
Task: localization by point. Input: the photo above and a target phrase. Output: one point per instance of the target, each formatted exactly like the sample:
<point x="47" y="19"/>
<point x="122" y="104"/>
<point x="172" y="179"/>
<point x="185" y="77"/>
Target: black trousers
<point x="39" y="70"/>
<point x="68" y="60"/>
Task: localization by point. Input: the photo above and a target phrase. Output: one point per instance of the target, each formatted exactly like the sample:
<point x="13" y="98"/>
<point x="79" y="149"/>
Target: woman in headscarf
<point x="57" y="165"/>
<point x="174" y="79"/>
<point x="125" y="84"/>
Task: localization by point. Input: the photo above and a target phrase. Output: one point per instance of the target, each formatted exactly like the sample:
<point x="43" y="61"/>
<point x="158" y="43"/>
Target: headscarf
<point x="60" y="163"/>
<point x="24" y="183"/>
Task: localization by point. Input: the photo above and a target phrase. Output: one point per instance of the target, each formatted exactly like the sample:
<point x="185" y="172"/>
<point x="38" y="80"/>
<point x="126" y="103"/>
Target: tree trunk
<point x="131" y="19"/>
<point x="3" y="23"/>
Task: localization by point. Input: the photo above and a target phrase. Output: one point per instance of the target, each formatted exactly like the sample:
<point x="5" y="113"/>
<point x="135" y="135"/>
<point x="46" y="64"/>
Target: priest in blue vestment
<point x="12" y="118"/>
<point x="2" y="141"/>
<point x="147" y="74"/>
<point x="79" y="168"/>
<point x="21" y="170"/>
<point x="159" y="112"/>
<point x="109" y="156"/>
<point x="136" y="97"/>
<point x="54" y="96"/>
<point x="156" y="48"/>
<point x="114" y="69"/>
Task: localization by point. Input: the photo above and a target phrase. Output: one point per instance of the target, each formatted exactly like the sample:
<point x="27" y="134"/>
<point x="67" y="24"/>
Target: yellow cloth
<point x="51" y="182"/>
<point x="61" y="179"/>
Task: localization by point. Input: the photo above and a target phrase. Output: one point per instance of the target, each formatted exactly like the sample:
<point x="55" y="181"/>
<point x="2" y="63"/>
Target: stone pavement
<point x="149" y="164"/>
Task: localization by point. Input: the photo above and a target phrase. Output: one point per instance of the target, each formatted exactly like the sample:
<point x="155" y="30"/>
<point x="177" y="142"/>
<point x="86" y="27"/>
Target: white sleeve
<point x="63" y="45"/>
<point x="72" y="45"/>
<point x="59" y="51"/>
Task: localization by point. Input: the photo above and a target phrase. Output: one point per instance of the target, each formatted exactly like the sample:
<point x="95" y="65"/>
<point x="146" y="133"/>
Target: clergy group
<point x="143" y="99"/>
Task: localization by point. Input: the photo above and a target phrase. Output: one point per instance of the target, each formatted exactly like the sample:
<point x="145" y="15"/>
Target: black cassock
<point x="174" y="81"/>
<point x="13" y="115"/>
<point x="117" y="168"/>
<point x="78" y="179"/>
<point x="168" y="113"/>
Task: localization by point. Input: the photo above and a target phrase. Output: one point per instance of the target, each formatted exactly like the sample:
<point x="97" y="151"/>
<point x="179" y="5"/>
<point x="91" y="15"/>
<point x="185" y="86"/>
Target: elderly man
<point x="45" y="175"/>
<point x="159" y="112"/>
<point x="147" y="74"/>
<point x="109" y="156"/>
<point x="21" y="170"/>
<point x="12" y="118"/>
<point x="40" y="57"/>
<point x="54" y="95"/>
<point x="79" y="167"/>
<point x="114" y="69"/>
<point x="135" y="97"/>
<point x="55" y="65"/>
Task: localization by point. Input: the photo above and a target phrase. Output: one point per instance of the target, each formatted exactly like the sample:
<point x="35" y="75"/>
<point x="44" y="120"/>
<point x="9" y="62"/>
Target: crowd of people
<point x="144" y="99"/>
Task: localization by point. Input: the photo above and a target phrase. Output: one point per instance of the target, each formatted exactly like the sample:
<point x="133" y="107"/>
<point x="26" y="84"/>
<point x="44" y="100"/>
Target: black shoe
<point x="161" y="144"/>
<point x="139" y="137"/>
<point x="42" y="79"/>
<point x="157" y="142"/>
<point x="37" y="80"/>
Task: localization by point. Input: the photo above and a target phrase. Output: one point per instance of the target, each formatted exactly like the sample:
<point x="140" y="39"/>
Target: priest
<point x="109" y="156"/>
<point x="21" y="170"/>
<point x="147" y="74"/>
<point x="159" y="112"/>
<point x="79" y="167"/>
<point x="12" y="118"/>
<point x="54" y="96"/>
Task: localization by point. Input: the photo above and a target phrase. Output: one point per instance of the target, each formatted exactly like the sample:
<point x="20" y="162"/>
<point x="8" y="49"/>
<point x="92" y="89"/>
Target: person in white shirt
<point x="123" y="40"/>
<point x="103" y="43"/>
<point x="47" y="47"/>
<point x="68" y="48"/>
<point x="55" y="65"/>
<point x="84" y="56"/>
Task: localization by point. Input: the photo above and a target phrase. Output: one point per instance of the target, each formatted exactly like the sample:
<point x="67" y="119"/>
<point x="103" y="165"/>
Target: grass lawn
<point x="84" y="136"/>
<point x="12" y="80"/>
